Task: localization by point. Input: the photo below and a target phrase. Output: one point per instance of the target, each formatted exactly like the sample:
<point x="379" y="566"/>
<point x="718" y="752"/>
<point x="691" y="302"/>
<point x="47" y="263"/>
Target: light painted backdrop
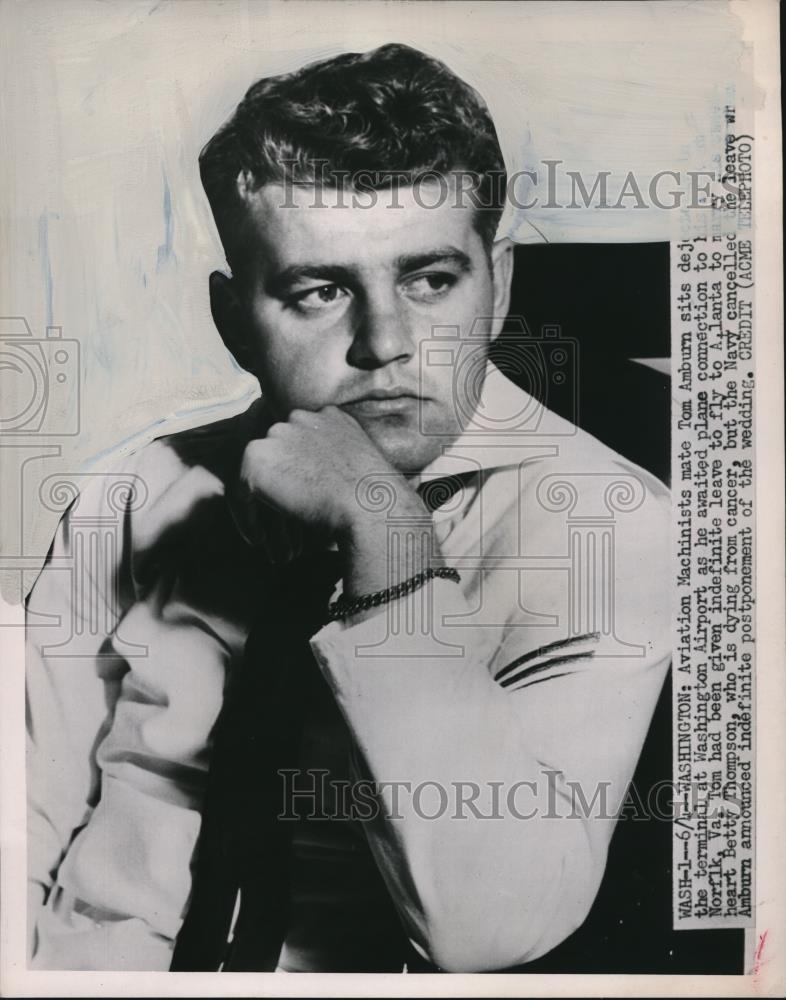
<point x="107" y="234"/>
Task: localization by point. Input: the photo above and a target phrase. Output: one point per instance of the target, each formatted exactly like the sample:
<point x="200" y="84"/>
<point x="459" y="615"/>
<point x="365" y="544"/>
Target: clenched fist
<point x="300" y="482"/>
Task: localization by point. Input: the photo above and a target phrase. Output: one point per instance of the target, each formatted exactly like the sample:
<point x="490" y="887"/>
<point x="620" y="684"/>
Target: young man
<point x="471" y="715"/>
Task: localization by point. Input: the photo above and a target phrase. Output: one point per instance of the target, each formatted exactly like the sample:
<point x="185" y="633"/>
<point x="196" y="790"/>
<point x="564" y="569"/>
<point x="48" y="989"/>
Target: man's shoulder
<point x="573" y="483"/>
<point x="556" y="463"/>
<point x="570" y="467"/>
<point x="591" y="530"/>
<point x="166" y="479"/>
<point x="589" y="468"/>
<point x="214" y="447"/>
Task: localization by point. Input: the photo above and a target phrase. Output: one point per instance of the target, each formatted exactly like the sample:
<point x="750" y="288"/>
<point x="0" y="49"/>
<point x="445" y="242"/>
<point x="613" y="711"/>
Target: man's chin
<point x="406" y="448"/>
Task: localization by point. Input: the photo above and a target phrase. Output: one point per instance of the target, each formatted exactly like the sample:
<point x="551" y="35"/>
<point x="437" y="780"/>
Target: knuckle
<point x="252" y="452"/>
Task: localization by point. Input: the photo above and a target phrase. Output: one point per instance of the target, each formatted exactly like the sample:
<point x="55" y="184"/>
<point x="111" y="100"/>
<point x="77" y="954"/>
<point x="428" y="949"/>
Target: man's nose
<point x="382" y="334"/>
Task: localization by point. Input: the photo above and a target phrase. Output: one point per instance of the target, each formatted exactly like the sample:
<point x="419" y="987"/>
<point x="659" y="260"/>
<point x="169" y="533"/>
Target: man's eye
<point x="318" y="298"/>
<point x="430" y="287"/>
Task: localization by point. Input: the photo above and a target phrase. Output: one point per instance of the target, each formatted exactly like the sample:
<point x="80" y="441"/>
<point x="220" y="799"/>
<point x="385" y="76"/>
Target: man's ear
<point x="230" y="319"/>
<point x="502" y="273"/>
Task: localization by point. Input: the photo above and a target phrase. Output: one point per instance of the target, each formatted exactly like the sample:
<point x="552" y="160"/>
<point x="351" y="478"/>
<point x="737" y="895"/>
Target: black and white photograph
<point x="385" y="396"/>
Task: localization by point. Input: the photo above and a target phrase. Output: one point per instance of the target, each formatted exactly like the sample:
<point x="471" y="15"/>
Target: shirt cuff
<point x="429" y="628"/>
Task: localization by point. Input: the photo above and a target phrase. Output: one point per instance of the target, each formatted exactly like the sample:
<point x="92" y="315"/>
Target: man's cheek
<point x="306" y="380"/>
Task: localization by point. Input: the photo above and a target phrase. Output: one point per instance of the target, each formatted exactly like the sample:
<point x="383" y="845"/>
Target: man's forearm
<point x="379" y="552"/>
<point x="476" y="894"/>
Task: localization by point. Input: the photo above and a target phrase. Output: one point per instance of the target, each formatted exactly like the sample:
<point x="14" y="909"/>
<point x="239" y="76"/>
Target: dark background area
<point x="613" y="301"/>
<point x="610" y="303"/>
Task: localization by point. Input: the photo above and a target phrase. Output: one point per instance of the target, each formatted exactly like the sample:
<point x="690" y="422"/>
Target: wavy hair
<point x="392" y="115"/>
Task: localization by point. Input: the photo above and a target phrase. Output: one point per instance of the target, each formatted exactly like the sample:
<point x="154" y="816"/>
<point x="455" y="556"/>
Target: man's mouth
<point x="382" y="402"/>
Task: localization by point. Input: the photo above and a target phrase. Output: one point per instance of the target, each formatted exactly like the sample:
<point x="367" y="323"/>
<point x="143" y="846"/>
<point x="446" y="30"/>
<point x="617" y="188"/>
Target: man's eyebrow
<point x="280" y="282"/>
<point x="441" y="255"/>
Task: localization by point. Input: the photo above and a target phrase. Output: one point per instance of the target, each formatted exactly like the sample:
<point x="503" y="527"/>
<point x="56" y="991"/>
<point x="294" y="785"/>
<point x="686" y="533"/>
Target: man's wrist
<point x="361" y="527"/>
<point x="381" y="549"/>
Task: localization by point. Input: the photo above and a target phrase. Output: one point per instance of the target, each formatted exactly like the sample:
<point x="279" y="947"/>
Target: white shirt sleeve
<point x="475" y="893"/>
<point x="71" y="690"/>
<point x="118" y="740"/>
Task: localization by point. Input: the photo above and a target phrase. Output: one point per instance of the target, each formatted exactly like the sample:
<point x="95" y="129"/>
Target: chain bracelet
<point x="343" y="608"/>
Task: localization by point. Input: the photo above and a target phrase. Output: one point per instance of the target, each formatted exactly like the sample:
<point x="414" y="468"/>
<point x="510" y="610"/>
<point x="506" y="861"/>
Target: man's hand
<point x="306" y="471"/>
<point x="308" y="468"/>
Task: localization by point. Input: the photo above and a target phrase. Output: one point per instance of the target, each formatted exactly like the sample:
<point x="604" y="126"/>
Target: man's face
<point x="338" y="300"/>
